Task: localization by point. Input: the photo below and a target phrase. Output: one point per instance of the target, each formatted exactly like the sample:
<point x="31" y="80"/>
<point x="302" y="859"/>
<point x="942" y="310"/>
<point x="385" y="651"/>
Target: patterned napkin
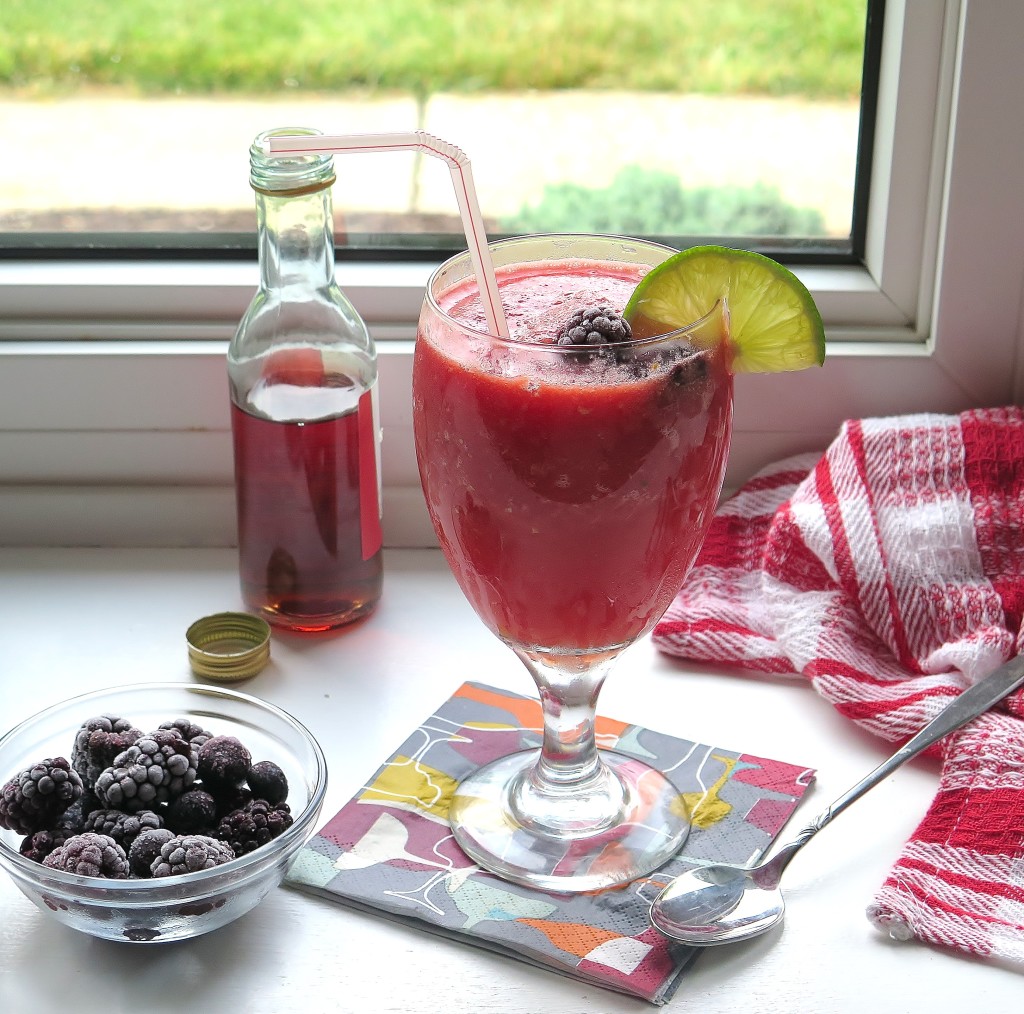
<point x="890" y="572"/>
<point x="390" y="850"/>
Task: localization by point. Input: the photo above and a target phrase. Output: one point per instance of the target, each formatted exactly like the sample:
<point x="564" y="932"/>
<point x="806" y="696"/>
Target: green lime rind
<point x="774" y="324"/>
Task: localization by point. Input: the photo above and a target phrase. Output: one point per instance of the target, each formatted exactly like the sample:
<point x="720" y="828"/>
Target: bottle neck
<point x="296" y="239"/>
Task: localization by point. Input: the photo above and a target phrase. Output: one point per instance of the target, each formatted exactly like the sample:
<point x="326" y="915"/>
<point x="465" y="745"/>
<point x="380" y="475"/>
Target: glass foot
<point x="636" y="821"/>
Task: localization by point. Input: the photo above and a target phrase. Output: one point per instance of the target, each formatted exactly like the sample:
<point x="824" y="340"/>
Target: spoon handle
<point x="965" y="706"/>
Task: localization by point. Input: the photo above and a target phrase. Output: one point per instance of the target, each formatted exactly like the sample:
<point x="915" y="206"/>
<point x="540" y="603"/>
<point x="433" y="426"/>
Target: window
<point x="112" y="385"/>
<point x="710" y="118"/>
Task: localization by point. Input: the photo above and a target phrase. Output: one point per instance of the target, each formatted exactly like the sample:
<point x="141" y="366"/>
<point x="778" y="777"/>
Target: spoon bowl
<point x="721" y="903"/>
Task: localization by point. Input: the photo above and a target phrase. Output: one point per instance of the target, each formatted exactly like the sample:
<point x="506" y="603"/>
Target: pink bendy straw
<point x="462" y="179"/>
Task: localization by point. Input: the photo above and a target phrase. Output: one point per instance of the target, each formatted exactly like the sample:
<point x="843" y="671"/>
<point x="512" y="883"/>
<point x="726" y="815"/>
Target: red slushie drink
<point x="570" y="491"/>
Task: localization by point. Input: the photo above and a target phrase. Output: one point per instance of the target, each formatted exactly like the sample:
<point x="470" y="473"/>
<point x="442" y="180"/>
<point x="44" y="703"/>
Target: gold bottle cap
<point x="228" y="646"/>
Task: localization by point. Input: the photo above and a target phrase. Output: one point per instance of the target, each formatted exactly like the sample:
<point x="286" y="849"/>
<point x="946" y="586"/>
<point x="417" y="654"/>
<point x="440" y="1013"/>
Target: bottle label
<point x="371" y="499"/>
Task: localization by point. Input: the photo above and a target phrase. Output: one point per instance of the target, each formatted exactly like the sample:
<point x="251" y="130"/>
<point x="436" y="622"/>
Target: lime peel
<point x="772" y="323"/>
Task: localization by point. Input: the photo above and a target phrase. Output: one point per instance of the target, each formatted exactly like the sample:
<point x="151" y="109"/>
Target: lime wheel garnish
<point x="772" y="323"/>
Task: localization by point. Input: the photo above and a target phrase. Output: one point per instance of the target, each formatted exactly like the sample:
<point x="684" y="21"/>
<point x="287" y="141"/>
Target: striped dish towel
<point x="890" y="572"/>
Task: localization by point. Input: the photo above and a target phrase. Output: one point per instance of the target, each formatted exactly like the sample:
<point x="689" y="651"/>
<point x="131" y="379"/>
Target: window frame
<point x="113" y="405"/>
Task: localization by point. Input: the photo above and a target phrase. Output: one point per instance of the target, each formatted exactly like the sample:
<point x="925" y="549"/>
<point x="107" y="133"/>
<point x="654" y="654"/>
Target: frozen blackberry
<point x="191" y="811"/>
<point x="69" y="823"/>
<point x="229" y="797"/>
<point x="123" y="827"/>
<point x="74" y="816"/>
<point x="98" y="741"/>
<point x="195" y="734"/>
<point x="90" y="855"/>
<point x="154" y="769"/>
<point x="145" y="850"/>
<point x="188" y="853"/>
<point x="39" y="845"/>
<point x="255" y="824"/>
<point x="595" y="326"/>
<point x="33" y="799"/>
<point x="224" y="760"/>
<point x="268" y="782"/>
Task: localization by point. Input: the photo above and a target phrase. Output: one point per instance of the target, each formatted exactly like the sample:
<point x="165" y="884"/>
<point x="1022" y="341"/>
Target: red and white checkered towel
<point x="890" y="572"/>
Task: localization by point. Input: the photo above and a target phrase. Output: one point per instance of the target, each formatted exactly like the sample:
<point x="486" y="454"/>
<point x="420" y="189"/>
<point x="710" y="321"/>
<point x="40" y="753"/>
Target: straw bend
<point x="431" y="143"/>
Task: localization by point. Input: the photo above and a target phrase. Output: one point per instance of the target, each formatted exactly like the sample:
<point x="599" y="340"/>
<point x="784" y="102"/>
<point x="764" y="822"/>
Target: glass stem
<point x="569" y="766"/>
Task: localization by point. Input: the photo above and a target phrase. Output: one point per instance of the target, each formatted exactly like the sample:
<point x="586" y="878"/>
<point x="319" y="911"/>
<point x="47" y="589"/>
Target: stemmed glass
<point x="570" y="488"/>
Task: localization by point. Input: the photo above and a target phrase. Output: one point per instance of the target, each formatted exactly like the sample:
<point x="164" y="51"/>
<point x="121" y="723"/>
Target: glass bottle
<point x="302" y="370"/>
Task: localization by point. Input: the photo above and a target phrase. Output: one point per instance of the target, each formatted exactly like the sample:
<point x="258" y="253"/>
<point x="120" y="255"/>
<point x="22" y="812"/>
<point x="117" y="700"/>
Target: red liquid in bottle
<point x="308" y="517"/>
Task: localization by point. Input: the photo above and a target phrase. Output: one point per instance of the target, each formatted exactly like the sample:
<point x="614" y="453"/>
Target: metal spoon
<point x="721" y="903"/>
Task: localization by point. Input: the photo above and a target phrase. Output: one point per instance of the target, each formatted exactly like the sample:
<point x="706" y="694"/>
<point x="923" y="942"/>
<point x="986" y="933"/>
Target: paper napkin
<point x="390" y="850"/>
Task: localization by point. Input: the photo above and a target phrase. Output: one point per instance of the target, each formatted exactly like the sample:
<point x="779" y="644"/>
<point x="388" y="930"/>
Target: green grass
<point x="760" y="47"/>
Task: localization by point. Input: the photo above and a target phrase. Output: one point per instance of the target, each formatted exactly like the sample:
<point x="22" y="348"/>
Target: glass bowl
<point x="171" y="908"/>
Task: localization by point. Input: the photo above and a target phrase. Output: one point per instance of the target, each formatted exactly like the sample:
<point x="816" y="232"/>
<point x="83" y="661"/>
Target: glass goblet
<point x="570" y="488"/>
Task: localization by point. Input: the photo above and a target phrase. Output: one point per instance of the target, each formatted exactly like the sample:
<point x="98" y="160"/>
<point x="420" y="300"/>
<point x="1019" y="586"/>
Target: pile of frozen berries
<point x="133" y="804"/>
